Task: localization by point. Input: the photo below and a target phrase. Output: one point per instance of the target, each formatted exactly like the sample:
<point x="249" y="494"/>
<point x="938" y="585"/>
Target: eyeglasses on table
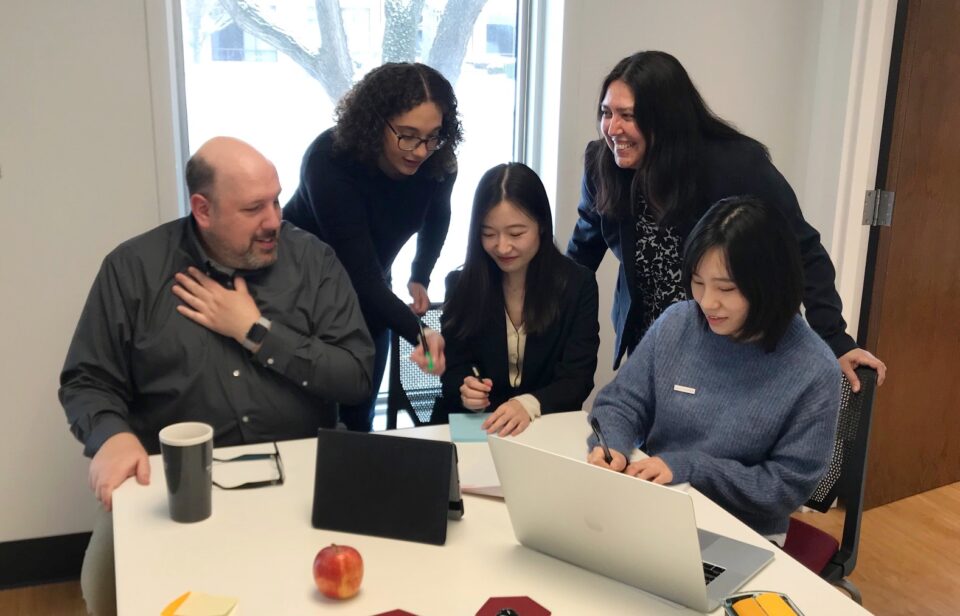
<point x="250" y="457"/>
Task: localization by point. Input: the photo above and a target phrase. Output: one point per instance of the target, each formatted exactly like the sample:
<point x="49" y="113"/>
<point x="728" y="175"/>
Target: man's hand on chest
<point x="228" y="312"/>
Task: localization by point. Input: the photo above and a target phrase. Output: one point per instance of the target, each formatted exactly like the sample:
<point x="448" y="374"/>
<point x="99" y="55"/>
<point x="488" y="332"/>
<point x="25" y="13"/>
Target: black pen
<point x="476" y="374"/>
<point x="603" y="443"/>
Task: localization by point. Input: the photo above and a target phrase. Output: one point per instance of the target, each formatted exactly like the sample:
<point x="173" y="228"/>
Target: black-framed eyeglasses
<point x="248" y="457"/>
<point x="409" y="143"/>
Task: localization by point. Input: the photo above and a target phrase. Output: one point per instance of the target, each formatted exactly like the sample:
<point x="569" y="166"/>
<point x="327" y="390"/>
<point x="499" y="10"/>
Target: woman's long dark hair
<point x="386" y="92"/>
<point x="478" y="295"/>
<point x="675" y="123"/>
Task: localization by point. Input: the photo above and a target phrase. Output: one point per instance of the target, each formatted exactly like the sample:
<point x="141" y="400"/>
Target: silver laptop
<point x="633" y="531"/>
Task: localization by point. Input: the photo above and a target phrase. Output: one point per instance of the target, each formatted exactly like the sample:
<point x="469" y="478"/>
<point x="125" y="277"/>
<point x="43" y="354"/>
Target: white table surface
<point x="259" y="545"/>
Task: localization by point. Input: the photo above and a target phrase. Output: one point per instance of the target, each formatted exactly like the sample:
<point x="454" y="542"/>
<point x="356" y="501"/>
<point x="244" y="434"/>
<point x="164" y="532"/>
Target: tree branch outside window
<point x="332" y="64"/>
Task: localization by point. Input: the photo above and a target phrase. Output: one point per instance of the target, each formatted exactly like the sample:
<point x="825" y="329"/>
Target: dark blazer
<point x="558" y="364"/>
<point x="731" y="168"/>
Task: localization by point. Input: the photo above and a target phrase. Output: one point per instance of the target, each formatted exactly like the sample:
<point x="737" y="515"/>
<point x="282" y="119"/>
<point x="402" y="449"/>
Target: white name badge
<point x="684" y="389"/>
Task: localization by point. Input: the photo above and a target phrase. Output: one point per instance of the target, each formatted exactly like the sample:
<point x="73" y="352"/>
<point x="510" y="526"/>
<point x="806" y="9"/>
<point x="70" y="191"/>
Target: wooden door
<point x="914" y="310"/>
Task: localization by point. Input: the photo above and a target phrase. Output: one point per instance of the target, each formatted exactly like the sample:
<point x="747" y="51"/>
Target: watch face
<point x="257" y="333"/>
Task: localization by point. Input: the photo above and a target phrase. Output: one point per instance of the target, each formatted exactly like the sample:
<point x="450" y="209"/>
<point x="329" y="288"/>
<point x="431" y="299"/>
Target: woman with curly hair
<point x="384" y="172"/>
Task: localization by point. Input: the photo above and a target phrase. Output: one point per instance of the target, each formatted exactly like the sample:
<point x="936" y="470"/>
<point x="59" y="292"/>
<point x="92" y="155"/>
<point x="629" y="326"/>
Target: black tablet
<point x="388" y="486"/>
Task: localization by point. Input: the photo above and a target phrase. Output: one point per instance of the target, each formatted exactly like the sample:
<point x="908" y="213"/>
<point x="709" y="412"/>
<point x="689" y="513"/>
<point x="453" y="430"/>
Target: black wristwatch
<point x="258" y="331"/>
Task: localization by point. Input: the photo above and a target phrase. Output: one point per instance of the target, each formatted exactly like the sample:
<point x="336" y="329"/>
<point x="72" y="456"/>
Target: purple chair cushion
<point x="810" y="545"/>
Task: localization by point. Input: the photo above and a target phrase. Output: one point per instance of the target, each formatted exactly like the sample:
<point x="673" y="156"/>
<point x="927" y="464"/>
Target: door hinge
<point x="878" y="208"/>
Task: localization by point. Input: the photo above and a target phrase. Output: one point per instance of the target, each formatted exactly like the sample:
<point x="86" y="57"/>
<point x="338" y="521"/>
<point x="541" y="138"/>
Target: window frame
<point x="165" y="50"/>
<point x="168" y="84"/>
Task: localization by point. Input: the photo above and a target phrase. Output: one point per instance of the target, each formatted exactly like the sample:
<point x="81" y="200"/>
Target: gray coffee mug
<point x="187" y="450"/>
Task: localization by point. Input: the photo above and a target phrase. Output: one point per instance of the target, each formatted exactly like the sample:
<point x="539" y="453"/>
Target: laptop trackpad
<point x="732" y="554"/>
<point x="741" y="561"/>
<point x="706" y="539"/>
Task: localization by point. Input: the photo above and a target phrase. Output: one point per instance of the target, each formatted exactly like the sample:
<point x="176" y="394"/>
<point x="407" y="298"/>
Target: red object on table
<point x="523" y="606"/>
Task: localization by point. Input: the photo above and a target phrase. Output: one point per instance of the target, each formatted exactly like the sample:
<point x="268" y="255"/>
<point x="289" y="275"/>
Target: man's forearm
<point x="339" y="369"/>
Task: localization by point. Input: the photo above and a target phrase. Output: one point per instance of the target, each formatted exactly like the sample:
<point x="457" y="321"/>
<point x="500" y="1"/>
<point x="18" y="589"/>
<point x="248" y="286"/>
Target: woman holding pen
<point x="520" y="319"/>
<point x="731" y="391"/>
<point x="382" y="174"/>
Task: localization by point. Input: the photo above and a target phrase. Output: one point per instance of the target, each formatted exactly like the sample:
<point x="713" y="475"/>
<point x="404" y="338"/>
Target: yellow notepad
<point x="202" y="604"/>
<point x="748" y="607"/>
<point x="763" y="604"/>
<point x="774" y="605"/>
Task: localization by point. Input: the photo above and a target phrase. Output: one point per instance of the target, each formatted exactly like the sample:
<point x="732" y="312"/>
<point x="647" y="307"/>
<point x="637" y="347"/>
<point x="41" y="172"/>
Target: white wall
<point x="87" y="159"/>
<point x="842" y="137"/>
<point x="780" y="70"/>
<point x="872" y="36"/>
<point x="78" y="177"/>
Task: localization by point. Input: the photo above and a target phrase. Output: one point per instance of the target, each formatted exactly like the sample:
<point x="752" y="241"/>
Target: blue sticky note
<point x="465" y="427"/>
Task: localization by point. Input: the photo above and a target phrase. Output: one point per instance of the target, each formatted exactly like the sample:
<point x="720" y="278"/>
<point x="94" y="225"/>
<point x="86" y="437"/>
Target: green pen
<point x="426" y="349"/>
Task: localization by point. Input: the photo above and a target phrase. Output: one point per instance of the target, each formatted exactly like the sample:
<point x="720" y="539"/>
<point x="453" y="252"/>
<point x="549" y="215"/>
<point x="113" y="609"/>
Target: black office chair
<point x="411" y="389"/>
<point x="845" y="479"/>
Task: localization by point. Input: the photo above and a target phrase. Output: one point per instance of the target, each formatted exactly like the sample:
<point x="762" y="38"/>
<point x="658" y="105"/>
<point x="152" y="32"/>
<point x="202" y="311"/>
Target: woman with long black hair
<point x="520" y="319"/>
<point x="662" y="159"/>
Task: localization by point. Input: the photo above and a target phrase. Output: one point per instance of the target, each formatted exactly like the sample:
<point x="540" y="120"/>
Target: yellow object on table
<point x="774" y="605"/>
<point x="760" y="604"/>
<point x="201" y="604"/>
<point x="748" y="607"/>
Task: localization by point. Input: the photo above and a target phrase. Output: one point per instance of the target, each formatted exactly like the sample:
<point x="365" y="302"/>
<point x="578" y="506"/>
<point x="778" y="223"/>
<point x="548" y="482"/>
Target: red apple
<point x="338" y="571"/>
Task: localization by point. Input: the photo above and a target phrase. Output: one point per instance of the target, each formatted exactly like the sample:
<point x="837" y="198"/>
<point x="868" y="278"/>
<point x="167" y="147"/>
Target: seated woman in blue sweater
<point x="520" y="319"/>
<point x="731" y="392"/>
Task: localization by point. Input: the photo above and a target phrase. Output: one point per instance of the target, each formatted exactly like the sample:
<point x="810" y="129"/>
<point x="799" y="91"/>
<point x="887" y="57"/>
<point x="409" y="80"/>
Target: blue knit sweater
<point x="757" y="434"/>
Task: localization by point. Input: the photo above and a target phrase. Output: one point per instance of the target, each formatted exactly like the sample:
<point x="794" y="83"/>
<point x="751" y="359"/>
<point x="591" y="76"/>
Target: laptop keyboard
<point x="710" y="572"/>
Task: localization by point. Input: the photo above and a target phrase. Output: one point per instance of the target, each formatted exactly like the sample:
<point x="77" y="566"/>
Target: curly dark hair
<point x="386" y="92"/>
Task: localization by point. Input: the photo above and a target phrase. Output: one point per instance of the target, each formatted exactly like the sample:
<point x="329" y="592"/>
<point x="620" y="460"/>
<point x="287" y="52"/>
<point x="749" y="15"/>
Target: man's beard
<point x="250" y="259"/>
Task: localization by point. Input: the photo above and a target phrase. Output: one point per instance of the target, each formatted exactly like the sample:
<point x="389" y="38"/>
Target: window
<point x="501" y="39"/>
<point x="251" y="70"/>
<point x="231" y="44"/>
<point x="227" y="44"/>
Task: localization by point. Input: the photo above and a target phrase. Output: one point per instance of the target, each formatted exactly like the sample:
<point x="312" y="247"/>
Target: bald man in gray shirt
<point x="227" y="316"/>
